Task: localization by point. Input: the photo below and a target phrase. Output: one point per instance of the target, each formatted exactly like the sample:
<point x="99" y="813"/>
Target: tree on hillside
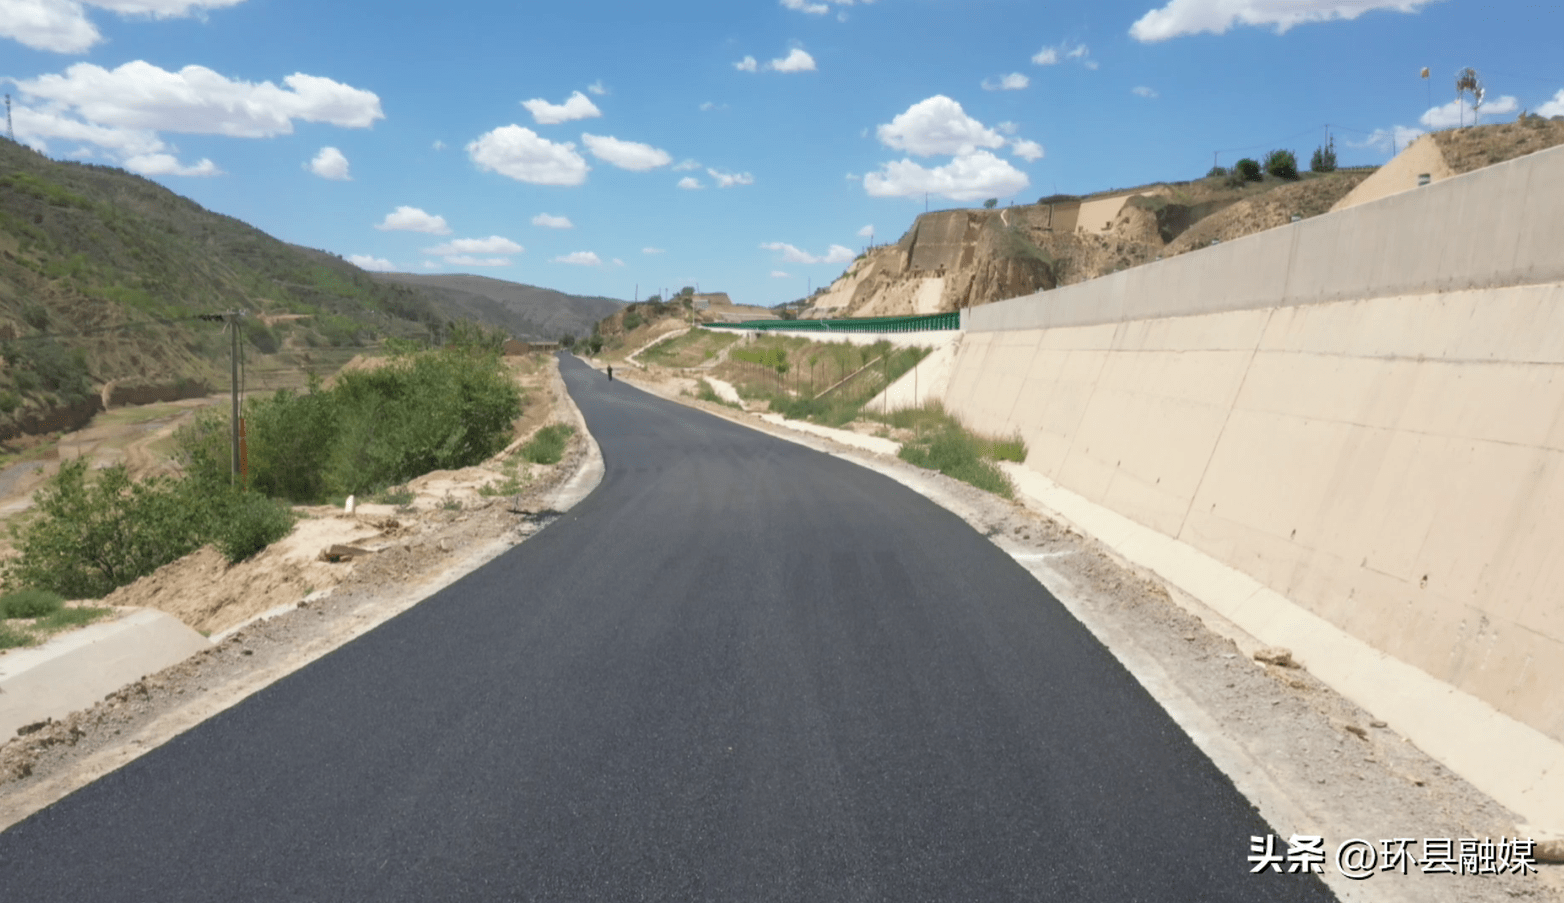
<point x="989" y="204"/>
<point x="1324" y="159"/>
<point x="1247" y="170"/>
<point x="1282" y="164"/>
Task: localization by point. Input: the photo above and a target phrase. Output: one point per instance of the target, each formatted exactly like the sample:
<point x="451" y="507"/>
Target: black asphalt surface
<point x="740" y="670"/>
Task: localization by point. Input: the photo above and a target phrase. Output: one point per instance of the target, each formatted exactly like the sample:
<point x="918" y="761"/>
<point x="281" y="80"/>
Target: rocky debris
<point x="338" y="552"/>
<point x="1275" y="655"/>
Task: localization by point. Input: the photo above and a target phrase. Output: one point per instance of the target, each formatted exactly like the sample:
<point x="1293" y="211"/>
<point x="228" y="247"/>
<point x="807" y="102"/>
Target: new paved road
<point x="738" y="671"/>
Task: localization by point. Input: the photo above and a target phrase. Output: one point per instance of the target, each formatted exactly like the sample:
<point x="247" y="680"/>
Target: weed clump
<point x="941" y="443"/>
<point x="547" y="446"/>
<point x="30" y="603"/>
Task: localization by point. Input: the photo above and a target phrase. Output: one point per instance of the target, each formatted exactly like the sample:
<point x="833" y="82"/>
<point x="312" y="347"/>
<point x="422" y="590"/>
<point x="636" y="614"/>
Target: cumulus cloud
<point x="197" y="100"/>
<point x="35" y="126"/>
<point x="1459" y="112"/>
<point x="866" y="231"/>
<point x="653" y="250"/>
<point x="686" y="166"/>
<point x="690" y="183"/>
<point x="626" y="154"/>
<point x="580" y="259"/>
<point x="968" y="177"/>
<point x="330" y="164"/>
<point x="795" y="61"/>
<point x="412" y="219"/>
<point x="791" y="254"/>
<point x="578" y="106"/>
<point x="1182" y="17"/>
<point x="467" y="260"/>
<point x="747" y="64"/>
<point x="1015" y="81"/>
<point x="62" y="26"/>
<point x="494" y="244"/>
<point x="438" y="144"/>
<point x="1143" y="91"/>
<point x="937" y="125"/>
<point x="803" y="6"/>
<point x="168" y="165"/>
<point x="377" y="264"/>
<point x="548" y="221"/>
<point x="1007" y="127"/>
<point x="522" y="155"/>
<point x="597" y="88"/>
<point x="1554" y="107"/>
<point x="1030" y="151"/>
<point x="730" y="179"/>
<point x="778" y="274"/>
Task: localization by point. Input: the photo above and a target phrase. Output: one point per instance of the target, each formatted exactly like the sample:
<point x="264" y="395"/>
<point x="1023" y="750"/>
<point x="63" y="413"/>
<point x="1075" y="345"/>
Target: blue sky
<point x="747" y="146"/>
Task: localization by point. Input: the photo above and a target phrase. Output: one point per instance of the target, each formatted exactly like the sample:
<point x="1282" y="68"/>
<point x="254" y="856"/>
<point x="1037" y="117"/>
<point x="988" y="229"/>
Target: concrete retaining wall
<point x="1364" y="412"/>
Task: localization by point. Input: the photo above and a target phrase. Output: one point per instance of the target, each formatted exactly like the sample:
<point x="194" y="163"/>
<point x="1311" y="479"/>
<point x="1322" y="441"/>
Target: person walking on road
<point x="610" y="372"/>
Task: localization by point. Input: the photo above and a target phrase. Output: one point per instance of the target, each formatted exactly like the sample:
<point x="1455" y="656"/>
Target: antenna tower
<point x="8" y="132"/>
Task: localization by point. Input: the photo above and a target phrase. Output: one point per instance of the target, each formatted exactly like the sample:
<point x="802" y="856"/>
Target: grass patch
<point x="822" y="382"/>
<point x="30" y="603"/>
<point x="941" y="443"/>
<point x="547" y="446"/>
<point x="393" y="495"/>
<point x="11" y="638"/>
<point x="70" y="617"/>
<point x="705" y="391"/>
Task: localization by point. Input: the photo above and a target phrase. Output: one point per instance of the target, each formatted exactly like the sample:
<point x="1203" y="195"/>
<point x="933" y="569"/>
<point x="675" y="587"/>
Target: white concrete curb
<point x="73" y="671"/>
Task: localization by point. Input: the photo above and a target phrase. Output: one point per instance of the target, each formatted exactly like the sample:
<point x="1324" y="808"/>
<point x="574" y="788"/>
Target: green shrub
<point x="1216" y="172"/>
<point x="30" y="603"/>
<point x="1247" y="170"/>
<point x="247" y="522"/>
<point x="393" y="495"/>
<point x="1282" y="164"/>
<point x="956" y="453"/>
<point x="547" y="446"/>
<point x="632" y="321"/>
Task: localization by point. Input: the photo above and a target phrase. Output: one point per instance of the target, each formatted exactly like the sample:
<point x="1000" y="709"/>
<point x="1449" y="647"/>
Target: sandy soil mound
<point x="1473" y="148"/>
<point x="1267" y="211"/>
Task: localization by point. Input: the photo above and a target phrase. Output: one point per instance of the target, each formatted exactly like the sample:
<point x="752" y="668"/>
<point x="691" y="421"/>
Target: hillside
<point x="960" y="258"/>
<point x="525" y="311"/>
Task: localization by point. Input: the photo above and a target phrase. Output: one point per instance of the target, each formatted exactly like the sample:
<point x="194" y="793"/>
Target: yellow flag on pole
<point x="1425" y="71"/>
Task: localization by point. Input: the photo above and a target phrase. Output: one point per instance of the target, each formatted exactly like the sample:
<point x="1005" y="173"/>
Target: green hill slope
<point x="525" y="311"/>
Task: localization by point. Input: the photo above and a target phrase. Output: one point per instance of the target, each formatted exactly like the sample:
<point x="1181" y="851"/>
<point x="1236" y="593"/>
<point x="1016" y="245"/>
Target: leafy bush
<point x="955" y="453"/>
<point x="11" y="638"/>
<point x="30" y="603"/>
<point x="1216" y="172"/>
<point x="1247" y="170"/>
<point x="632" y="320"/>
<point x="244" y="523"/>
<point x="1324" y="159"/>
<point x="547" y="446"/>
<point x="1282" y="164"/>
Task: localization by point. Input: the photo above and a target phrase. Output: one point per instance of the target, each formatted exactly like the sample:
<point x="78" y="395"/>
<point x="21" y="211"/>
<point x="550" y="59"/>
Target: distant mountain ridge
<point x="525" y="311"/>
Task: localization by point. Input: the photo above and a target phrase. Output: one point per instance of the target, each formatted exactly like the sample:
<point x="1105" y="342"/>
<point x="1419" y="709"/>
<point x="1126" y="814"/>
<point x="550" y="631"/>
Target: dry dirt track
<point x="740" y="670"/>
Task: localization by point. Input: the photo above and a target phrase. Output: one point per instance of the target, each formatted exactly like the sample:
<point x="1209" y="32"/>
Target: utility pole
<point x="8" y="130"/>
<point x="232" y="319"/>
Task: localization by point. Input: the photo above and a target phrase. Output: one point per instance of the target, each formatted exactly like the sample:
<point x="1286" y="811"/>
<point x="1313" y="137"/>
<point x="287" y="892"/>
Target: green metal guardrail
<point x="851" y="324"/>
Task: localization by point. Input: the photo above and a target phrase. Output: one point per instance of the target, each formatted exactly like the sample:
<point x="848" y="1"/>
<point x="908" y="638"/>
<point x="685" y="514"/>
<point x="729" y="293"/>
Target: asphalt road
<point x="739" y="671"/>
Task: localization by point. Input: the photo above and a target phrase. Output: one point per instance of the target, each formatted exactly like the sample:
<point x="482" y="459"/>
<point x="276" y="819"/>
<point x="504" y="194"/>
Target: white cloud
<point x="1182" y="17"/>
<point x="1052" y="56"/>
<point x="1554" y="107"/>
<point x="438" y="144"/>
<point x="168" y="165"/>
<point x="377" y="264"/>
<point x="1015" y="81"/>
<point x="62" y="26"/>
<point x="494" y="244"/>
<point x="597" y="88"/>
<point x="1143" y="91"/>
<point x="814" y="9"/>
<point x="618" y="263"/>
<point x="778" y="274"/>
<point x="1459" y="112"/>
<point x="580" y="259"/>
<point x="1389" y="141"/>
<point x="626" y="154"/>
<point x="686" y="166"/>
<point x="729" y="179"/>
<point x="578" y="106"/>
<point x="653" y="250"/>
<point x="412" y="219"/>
<point x="466" y="260"/>
<point x="968" y="177"/>
<point x="937" y="125"/>
<point x="795" y="61"/>
<point x="197" y="100"/>
<point x="35" y="126"/>
<point x="1030" y="151"/>
<point x="550" y="221"/>
<point x="747" y="64"/>
<point x="1007" y="127"/>
<point x="866" y="231"/>
<point x="330" y="164"/>
<point x="791" y="254"/>
<point x="690" y="183"/>
<point x="522" y="155"/>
